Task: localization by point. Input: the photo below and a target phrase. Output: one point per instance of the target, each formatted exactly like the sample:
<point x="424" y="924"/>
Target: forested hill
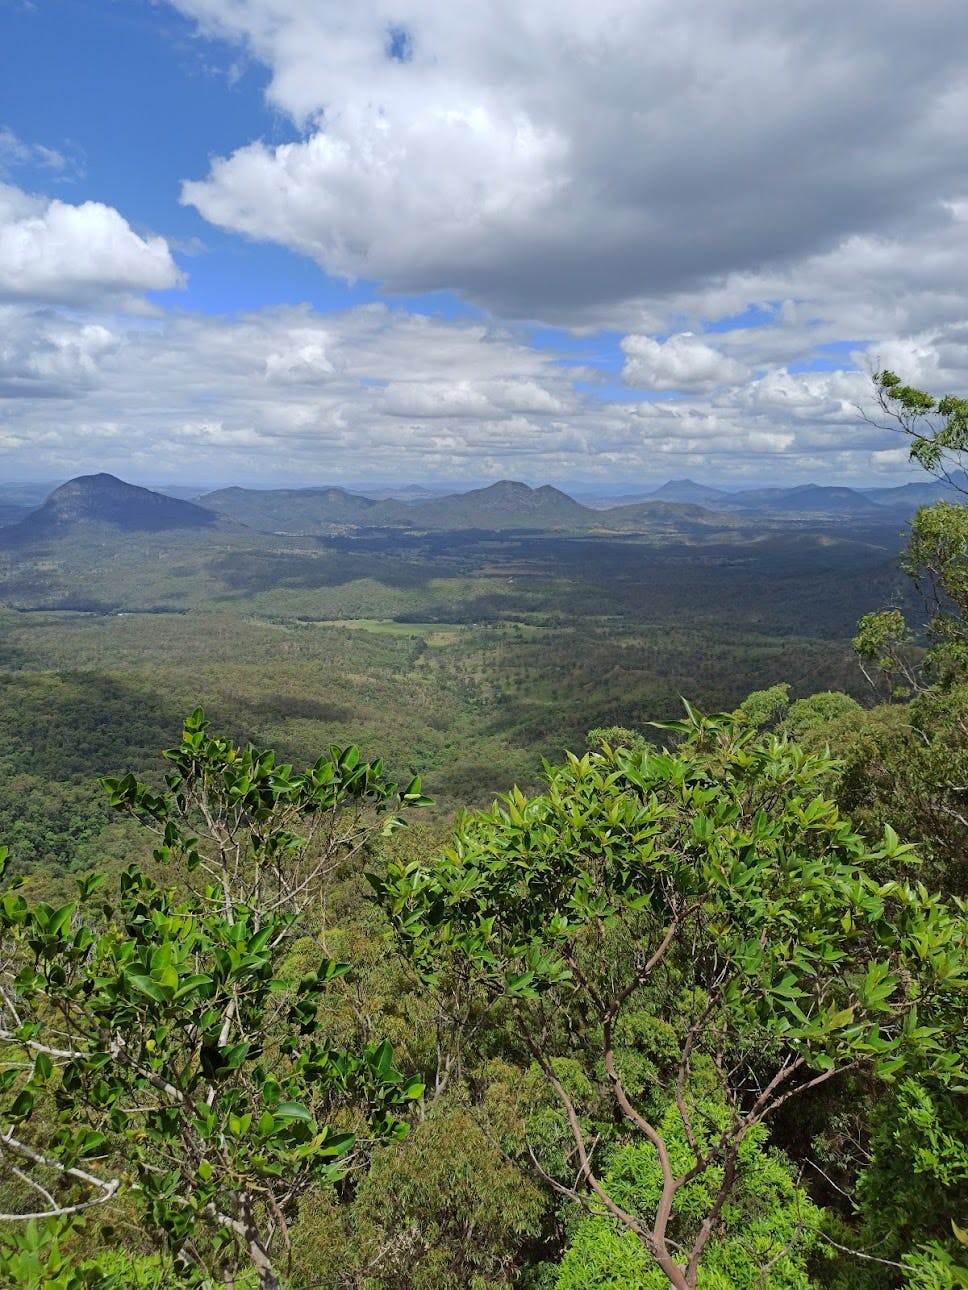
<point x="296" y="510"/>
<point x="103" y="499"/>
<point x="506" y="504"/>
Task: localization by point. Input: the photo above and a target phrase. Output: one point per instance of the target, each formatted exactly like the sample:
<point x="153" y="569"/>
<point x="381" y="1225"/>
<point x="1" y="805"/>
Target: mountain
<point x="687" y="490"/>
<point x="754" y="499"/>
<point x="405" y="493"/>
<point x="504" y="505"/>
<point x="298" y="510"/>
<point x="501" y="506"/>
<point x="659" y="516"/>
<point x="816" y="499"/>
<point x="95" y="500"/>
<point x="833" y="502"/>
<point x="914" y="495"/>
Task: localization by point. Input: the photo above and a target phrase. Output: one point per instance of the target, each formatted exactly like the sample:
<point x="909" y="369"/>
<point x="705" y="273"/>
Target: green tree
<point x="883" y="647"/>
<point x="936" y="556"/>
<point x="763" y="708"/>
<point x="937" y="428"/>
<point x="810" y="718"/>
<point x="914" y="1193"/>
<point x="936" y="559"/>
<point x="715" y="884"/>
<point x="616" y="737"/>
<point x="767" y="1233"/>
<point x="907" y="765"/>
<point x="445" y="1211"/>
<point x="179" y="1061"/>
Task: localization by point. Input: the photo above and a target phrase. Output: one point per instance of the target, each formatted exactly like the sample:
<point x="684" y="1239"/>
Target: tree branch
<point x="107" y="1187"/>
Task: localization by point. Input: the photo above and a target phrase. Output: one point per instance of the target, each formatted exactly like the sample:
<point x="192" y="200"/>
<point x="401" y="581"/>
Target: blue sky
<point x="284" y="241"/>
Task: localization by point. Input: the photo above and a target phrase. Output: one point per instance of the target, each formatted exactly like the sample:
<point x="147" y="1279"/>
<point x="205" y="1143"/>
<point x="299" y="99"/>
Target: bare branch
<point x="106" y="1187"/>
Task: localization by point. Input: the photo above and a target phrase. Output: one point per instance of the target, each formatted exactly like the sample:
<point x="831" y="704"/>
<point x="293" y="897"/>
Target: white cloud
<point x="792" y="174"/>
<point x="469" y="398"/>
<point x="644" y="166"/>
<point x="291" y="394"/>
<point x="683" y="362"/>
<point x="558" y="159"/>
<point x="53" y="251"/>
<point x="44" y="355"/>
<point x="288" y="396"/>
<point x="16" y="152"/>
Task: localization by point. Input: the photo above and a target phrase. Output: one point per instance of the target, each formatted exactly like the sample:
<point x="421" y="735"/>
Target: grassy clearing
<point x="433" y="633"/>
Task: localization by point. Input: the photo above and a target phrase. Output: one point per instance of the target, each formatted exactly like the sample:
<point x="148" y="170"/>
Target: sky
<point x="303" y="242"/>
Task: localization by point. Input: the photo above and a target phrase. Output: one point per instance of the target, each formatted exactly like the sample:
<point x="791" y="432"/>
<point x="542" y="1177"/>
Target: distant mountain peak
<point x="687" y="490"/>
<point x="508" y="504"/>
<point x="825" y="498"/>
<point x="104" y="499"/>
<point x="503" y="487"/>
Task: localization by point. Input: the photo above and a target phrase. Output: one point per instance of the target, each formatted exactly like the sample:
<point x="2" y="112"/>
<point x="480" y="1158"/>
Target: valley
<point x="463" y="648"/>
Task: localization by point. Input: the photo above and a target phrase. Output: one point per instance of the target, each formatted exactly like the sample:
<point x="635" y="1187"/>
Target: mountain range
<point x="512" y="505"/>
<point x="830" y="499"/>
<point x="103" y="500"/>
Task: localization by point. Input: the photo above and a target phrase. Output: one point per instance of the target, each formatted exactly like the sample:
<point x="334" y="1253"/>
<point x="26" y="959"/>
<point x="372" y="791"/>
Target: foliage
<point x="937" y="428"/>
<point x="936" y="559"/>
<point x="33" y="1257"/>
<point x="936" y="1268"/>
<point x="936" y="556"/>
<point x="810" y="718"/>
<point x="765" y="1237"/>
<point x="914" y="1192"/>
<point x="726" y="852"/>
<point x="616" y="737"/>
<point x="159" y="1024"/>
<point x="763" y="708"/>
<point x="882" y="644"/>
<point x="907" y="765"/>
<point x="42" y="1255"/>
<point x="445" y="1212"/>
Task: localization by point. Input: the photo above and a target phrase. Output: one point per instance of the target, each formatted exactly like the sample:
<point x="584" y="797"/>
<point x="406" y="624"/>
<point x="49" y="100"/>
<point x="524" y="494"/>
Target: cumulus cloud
<point x="292" y="394"/>
<point x="765" y="202"/>
<point x="470" y="398"/>
<point x="43" y="355"/>
<point x="53" y="251"/>
<point x="560" y="158"/>
<point x="868" y="288"/>
<point x="288" y="396"/>
<point x="759" y="203"/>
<point x="683" y="362"/>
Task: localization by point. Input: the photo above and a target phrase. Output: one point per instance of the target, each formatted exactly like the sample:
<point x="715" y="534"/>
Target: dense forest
<point x="685" y="1007"/>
